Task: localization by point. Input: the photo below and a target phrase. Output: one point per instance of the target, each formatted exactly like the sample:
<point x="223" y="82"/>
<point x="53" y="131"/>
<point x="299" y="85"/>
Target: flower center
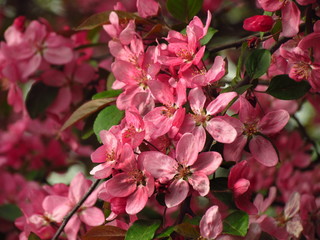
<point x="168" y="111"/>
<point x="183" y="172"/>
<point x="200" y="119"/>
<point x="110" y="156"/>
<point x="129" y="132"/>
<point x="301" y="71"/>
<point x="185" y="55"/>
<point x="138" y="177"/>
<point x="250" y="129"/>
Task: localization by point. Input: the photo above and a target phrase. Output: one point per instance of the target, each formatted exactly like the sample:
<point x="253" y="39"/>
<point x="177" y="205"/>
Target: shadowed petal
<point x="263" y="151"/>
<point x="178" y="191"/>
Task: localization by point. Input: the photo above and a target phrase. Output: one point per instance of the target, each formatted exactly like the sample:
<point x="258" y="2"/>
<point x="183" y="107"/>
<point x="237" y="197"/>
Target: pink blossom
<point x="249" y="125"/>
<point x="107" y="155"/>
<point x="134" y="184"/>
<point x="207" y="118"/>
<point x="167" y="118"/>
<point x="59" y="206"/>
<point x="35" y="44"/>
<point x="290" y="15"/>
<point x="131" y="130"/>
<point x="300" y="64"/>
<point x="184" y="50"/>
<point x="188" y="168"/>
<point x="211" y="223"/>
<point x="199" y="78"/>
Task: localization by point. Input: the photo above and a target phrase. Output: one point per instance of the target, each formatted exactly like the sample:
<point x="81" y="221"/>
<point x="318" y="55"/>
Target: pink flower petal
<point x="290" y="19"/>
<point x="57" y="206"/>
<point x="271" y="5"/>
<point x="217" y="71"/>
<point x="159" y="164"/>
<point x="58" y="55"/>
<point x="221" y="130"/>
<point x="220" y="103"/>
<point x="241" y="186"/>
<point x="185" y="152"/>
<point x="161" y="91"/>
<point x="92" y="216"/>
<point x="178" y="191"/>
<point x="207" y="162"/>
<point x="240" y="170"/>
<point x="233" y="151"/>
<point x="247" y="113"/>
<point x="72" y="227"/>
<point x="137" y="201"/>
<point x="293" y="206"/>
<point x="121" y="185"/>
<point x="78" y="187"/>
<point x="211" y="223"/>
<point x="147" y="8"/>
<point x="99" y="155"/>
<point x="200" y="182"/>
<point x="103" y="170"/>
<point x="273" y="122"/>
<point x="197" y="100"/>
<point x="263" y="151"/>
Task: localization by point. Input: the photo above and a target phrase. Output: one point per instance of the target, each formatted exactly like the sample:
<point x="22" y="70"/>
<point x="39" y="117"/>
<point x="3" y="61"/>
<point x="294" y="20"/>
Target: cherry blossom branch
<point x="149" y="143"/>
<point x="75" y="209"/>
<point x="306" y="135"/>
<point x="237" y="43"/>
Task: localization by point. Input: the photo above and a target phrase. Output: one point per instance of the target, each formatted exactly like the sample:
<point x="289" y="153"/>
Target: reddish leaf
<point x="157" y="30"/>
<point x="105" y="233"/>
<point x="187" y="230"/>
<point x="85" y="110"/>
<point x="100" y="19"/>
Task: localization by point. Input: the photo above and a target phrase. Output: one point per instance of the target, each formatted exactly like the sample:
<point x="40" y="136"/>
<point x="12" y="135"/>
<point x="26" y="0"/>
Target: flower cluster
<point x="185" y="149"/>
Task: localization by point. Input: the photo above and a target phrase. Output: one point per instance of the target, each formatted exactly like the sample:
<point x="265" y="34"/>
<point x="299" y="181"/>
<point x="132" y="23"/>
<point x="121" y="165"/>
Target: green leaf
<point x="258" y="63"/>
<point x="237" y="78"/>
<point x="208" y="36"/>
<point x="243" y="88"/>
<point x="9" y="212"/>
<point x="102" y="18"/>
<point x="142" y="230"/>
<point x="184" y="10"/>
<point x="283" y="87"/>
<point x="39" y="98"/>
<point x="194" y="221"/>
<point x="107" y="94"/>
<point x="165" y="233"/>
<point x="107" y="118"/>
<point x="276" y="30"/>
<point x="236" y="223"/>
<point x="86" y="110"/>
<point x="105" y="233"/>
<point x="187" y="230"/>
<point x="33" y="236"/>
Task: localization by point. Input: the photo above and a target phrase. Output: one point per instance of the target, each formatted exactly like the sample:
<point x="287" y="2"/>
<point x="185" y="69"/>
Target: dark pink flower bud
<point x="258" y="23"/>
<point x="19" y="23"/>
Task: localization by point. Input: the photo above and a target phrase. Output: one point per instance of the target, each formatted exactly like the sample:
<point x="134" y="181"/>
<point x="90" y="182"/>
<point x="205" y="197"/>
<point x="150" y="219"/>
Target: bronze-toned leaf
<point x="105" y="233"/>
<point x="85" y="110"/>
<point x="102" y="18"/>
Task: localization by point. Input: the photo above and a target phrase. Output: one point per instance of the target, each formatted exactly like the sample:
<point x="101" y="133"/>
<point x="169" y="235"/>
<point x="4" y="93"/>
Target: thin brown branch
<point x="306" y="135"/>
<point x="236" y="44"/>
<point x="75" y="209"/>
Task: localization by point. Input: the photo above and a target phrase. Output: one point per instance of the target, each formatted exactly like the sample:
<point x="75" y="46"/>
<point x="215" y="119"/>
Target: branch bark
<point x="75" y="209"/>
